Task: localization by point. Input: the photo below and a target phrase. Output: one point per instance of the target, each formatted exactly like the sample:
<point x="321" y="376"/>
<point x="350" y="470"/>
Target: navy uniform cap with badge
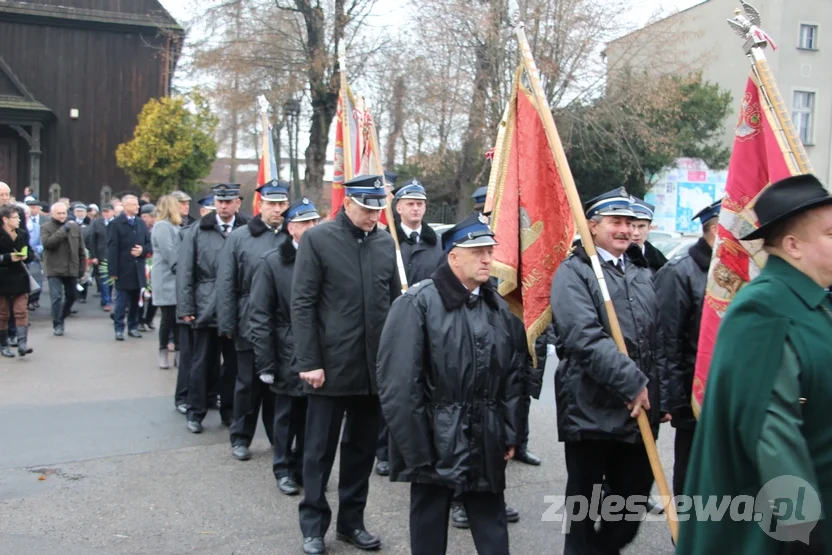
<point x="642" y="209"/>
<point x="390" y="178"/>
<point x="207" y="202"/>
<point x="226" y="191"/>
<point x="611" y="203"/>
<point x="274" y="191"/>
<point x="480" y="194"/>
<point x="410" y="190"/>
<point x="709" y="212"/>
<point x="302" y="210"/>
<point x="367" y="191"/>
<point x="471" y="232"/>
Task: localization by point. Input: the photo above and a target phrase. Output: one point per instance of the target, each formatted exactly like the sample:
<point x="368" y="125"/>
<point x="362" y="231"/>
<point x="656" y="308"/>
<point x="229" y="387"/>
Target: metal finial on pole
<point x="746" y="23"/>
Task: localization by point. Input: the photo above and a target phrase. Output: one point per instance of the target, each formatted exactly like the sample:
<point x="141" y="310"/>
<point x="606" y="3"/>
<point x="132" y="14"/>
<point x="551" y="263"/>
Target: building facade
<point x="699" y="39"/>
<point x="74" y="75"/>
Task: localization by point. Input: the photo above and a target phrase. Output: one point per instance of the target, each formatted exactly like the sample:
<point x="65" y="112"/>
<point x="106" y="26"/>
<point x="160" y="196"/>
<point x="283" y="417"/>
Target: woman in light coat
<point x="165" y="241"/>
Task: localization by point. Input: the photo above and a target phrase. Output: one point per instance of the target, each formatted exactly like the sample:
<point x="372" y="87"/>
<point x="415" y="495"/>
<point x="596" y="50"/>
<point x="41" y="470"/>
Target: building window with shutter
<point x="808" y="37"/>
<point x="106" y="194"/>
<point x="54" y="193"/>
<point x="803" y="115"/>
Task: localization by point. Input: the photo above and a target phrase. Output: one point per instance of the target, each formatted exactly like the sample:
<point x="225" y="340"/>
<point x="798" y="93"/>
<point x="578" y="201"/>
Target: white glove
<point x="550" y="350"/>
<point x="267" y="378"/>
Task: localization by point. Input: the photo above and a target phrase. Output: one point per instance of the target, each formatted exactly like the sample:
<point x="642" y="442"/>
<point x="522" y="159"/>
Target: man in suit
<point x="98" y="254"/>
<point x="129" y="244"/>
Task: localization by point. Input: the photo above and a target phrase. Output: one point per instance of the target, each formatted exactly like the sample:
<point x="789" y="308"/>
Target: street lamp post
<point x="291" y="109"/>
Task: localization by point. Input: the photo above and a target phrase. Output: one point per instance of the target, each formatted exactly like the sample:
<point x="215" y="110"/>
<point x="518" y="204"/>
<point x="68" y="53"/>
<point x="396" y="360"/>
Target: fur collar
<point x="701" y="253"/>
<point x="655" y="258"/>
<point x="256" y="226"/>
<point x="209" y="221"/>
<point x="633" y="253"/>
<point x="287" y="251"/>
<point x="428" y="235"/>
<point x="454" y="294"/>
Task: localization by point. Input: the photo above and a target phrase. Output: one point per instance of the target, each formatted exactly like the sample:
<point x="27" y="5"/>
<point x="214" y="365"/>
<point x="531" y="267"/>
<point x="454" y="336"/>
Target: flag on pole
<point x="757" y="160"/>
<point x="268" y="166"/>
<point x="529" y="211"/>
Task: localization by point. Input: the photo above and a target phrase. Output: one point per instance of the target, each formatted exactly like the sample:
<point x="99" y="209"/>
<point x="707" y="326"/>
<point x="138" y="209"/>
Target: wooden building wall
<point x="107" y="75"/>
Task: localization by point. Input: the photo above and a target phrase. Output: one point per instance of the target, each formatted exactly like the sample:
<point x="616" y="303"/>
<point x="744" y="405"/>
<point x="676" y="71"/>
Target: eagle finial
<point x="752" y="13"/>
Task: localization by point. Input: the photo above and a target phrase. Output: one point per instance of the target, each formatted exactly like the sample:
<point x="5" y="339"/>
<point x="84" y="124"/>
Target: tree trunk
<point x="324" y="86"/>
<point x="399" y="92"/>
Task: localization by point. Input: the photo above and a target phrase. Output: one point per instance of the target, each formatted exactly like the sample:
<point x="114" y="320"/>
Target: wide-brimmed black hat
<point x="785" y="199"/>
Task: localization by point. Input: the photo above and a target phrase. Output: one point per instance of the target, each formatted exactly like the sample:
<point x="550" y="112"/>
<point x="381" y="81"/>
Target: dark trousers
<point x="166" y="328"/>
<point x="289" y="427"/>
<point x="523" y="423"/>
<point x="148" y="311"/>
<point x="62" y="295"/>
<point x="627" y="471"/>
<point x="205" y="373"/>
<point x="430" y="506"/>
<point x="249" y="394"/>
<point x="186" y="339"/>
<point x="127" y="301"/>
<point x="383" y="448"/>
<point x="324" y="416"/>
<point x="682" y="447"/>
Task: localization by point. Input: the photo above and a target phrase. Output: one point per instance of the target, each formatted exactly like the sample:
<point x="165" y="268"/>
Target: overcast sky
<point x="387" y="9"/>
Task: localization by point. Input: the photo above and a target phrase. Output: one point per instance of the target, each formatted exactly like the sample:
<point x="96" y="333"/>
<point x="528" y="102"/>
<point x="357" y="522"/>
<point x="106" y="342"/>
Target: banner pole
<point x="586" y="238"/>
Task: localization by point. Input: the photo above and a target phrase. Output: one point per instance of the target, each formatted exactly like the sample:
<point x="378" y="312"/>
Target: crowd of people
<point x="305" y="324"/>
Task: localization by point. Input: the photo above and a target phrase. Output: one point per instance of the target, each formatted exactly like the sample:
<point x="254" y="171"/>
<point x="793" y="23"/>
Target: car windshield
<point x="666" y="244"/>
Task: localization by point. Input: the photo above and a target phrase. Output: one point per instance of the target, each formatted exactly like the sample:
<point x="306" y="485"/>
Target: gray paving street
<point x="95" y="460"/>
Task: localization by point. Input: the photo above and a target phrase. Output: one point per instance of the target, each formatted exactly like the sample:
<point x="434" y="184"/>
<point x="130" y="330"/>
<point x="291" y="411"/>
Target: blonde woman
<point x="165" y="241"/>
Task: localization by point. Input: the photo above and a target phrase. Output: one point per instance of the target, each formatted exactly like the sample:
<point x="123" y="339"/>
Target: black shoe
<point x="134" y="333"/>
<point x="119" y="336"/>
<point x="240" y="452"/>
<point x="512" y="514"/>
<point x="226" y="421"/>
<point x="58" y="330"/>
<point x="383" y="468"/>
<point x="314" y="545"/>
<point x="527" y="457"/>
<point x="459" y="518"/>
<point x="361" y="539"/>
<point x="194" y="427"/>
<point x="142" y="327"/>
<point x="182" y="408"/>
<point x="287" y="486"/>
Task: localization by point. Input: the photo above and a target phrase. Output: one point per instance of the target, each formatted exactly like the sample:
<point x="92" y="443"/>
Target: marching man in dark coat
<point x="274" y="344"/>
<point x="243" y="250"/>
<point x="345" y="280"/>
<point x="449" y="383"/>
<point x="196" y="276"/>
<point x="680" y="290"/>
<point x="599" y="390"/>
<point x="421" y="255"/>
<point x="644" y="212"/>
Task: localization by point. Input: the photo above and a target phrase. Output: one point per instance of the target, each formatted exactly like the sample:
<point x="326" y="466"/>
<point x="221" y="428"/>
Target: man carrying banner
<point x="599" y="390"/>
<point x="764" y="425"/>
<point x="345" y="280"/>
<point x="680" y="290"/>
<point x="449" y="385"/>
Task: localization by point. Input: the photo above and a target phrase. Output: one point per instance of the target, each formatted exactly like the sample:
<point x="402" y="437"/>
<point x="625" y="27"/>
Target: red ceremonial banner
<point x="530" y="214"/>
<point x="757" y="160"/>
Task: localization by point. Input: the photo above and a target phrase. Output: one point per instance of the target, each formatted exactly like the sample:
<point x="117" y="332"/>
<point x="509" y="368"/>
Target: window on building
<point x="808" y="37"/>
<point x="803" y="114"/>
<point x="54" y="193"/>
<point x="106" y="194"/>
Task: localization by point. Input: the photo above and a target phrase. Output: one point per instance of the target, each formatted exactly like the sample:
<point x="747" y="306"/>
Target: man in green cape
<point x="764" y="437"/>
